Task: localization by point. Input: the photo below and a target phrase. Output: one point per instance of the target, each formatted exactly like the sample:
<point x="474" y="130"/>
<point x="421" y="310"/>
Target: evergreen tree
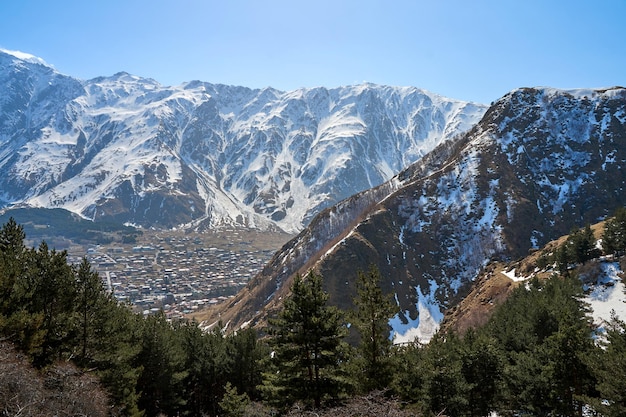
<point x="207" y="365"/>
<point x="48" y="290"/>
<point x="53" y="311"/>
<point x="109" y="339"/>
<point x="571" y="378"/>
<point x="514" y="323"/>
<point x="11" y="239"/>
<point x="445" y="390"/>
<point x="12" y="264"/>
<point x="92" y="303"/>
<point x="482" y="365"/>
<point x="409" y="378"/>
<point x="245" y="354"/>
<point x="581" y="245"/>
<point x="614" y="235"/>
<point x="307" y="342"/>
<point x="161" y="359"/>
<point x="562" y="259"/>
<point x="17" y="323"/>
<point x="118" y="341"/>
<point x="609" y="367"/>
<point x="371" y="320"/>
<point x="234" y="404"/>
<point x="546" y="333"/>
<point x="197" y="383"/>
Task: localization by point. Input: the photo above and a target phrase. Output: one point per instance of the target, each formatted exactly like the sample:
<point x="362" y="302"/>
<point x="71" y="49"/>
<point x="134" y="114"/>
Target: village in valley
<point x="178" y="272"/>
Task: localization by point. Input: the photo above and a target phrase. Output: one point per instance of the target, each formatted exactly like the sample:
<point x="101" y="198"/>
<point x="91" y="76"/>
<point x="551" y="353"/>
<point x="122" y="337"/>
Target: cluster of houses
<point x="177" y="275"/>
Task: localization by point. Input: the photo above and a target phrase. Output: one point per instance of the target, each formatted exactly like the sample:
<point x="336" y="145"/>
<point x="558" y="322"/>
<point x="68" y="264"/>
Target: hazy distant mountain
<point x="203" y="155"/>
<point x="540" y="162"/>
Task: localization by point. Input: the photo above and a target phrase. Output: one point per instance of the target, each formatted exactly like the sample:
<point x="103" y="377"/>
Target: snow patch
<point x="608" y="294"/>
<point x="424" y="327"/>
<point x="513" y="276"/>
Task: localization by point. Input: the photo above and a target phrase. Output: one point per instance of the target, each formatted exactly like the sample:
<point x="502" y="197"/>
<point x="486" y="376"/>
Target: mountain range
<point x="539" y="163"/>
<point x="428" y="189"/>
<point x="202" y="155"/>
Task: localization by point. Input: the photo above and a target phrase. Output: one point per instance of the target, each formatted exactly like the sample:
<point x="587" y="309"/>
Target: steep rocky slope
<point x="602" y="278"/>
<point x="540" y="162"/>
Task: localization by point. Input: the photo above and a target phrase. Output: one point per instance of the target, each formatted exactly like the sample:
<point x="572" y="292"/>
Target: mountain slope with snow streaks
<point x="206" y="155"/>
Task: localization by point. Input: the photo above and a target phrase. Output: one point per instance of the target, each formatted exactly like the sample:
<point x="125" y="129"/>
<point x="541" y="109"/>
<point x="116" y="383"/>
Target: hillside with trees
<point x="69" y="348"/>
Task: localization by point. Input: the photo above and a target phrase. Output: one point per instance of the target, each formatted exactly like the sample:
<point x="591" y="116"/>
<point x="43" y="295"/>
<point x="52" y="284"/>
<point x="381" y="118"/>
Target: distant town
<point x="178" y="272"/>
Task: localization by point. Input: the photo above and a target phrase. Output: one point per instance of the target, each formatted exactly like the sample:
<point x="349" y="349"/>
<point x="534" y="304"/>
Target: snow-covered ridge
<point x="581" y="93"/>
<point x="200" y="153"/>
<point x="23" y="56"/>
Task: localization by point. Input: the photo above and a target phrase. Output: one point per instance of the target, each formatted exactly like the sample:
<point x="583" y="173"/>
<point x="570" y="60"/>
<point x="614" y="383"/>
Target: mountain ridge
<point x="540" y="162"/>
<point x="367" y="174"/>
<point x="203" y="155"/>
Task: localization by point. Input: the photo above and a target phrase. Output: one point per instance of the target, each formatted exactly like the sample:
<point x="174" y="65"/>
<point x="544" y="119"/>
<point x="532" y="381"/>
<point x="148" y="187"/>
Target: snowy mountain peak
<point x="22" y="56"/>
<point x="205" y="155"/>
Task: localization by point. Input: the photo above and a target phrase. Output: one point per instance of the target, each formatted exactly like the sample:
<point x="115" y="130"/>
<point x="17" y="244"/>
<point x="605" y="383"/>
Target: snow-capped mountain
<point x="540" y="162"/>
<point x="204" y="155"/>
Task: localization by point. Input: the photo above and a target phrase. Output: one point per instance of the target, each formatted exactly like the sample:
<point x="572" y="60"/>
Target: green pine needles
<point x="308" y="347"/>
<point x="539" y="354"/>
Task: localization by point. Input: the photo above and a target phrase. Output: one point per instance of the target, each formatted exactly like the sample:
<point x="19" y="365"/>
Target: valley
<point x="255" y="212"/>
<point x="429" y="189"/>
<point x="178" y="272"/>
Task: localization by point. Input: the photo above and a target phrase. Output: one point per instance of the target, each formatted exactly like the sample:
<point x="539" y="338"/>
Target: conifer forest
<point x="67" y="347"/>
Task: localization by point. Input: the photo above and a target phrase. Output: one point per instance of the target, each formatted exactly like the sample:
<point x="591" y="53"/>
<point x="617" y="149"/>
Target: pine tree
<point x="482" y="367"/>
<point x="409" y="379"/>
<point x="49" y="289"/>
<point x="445" y="388"/>
<point x="307" y="342"/>
<point x="162" y="373"/>
<point x="581" y="245"/>
<point x="16" y="323"/>
<point x="569" y="374"/>
<point x="54" y="311"/>
<point x="12" y="264"/>
<point x="546" y="332"/>
<point x="614" y="235"/>
<point x="207" y="365"/>
<point x="92" y="303"/>
<point x="609" y="367"/>
<point x="562" y="259"/>
<point x="118" y="339"/>
<point x="11" y="239"/>
<point x="234" y="404"/>
<point x="245" y="353"/>
<point x="371" y="319"/>
<point x="197" y="382"/>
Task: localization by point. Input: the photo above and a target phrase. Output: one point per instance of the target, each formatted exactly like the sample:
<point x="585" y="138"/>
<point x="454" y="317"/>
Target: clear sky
<point x="467" y="49"/>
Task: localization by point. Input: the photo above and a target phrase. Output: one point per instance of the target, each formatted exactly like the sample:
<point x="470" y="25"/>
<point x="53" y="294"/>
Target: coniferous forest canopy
<point x="67" y="347"/>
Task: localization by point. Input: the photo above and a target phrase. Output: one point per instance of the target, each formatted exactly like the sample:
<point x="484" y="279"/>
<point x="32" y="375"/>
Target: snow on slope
<point x="123" y="146"/>
<point x="533" y="167"/>
<point x="607" y="296"/>
<point x="424" y="327"/>
<point x="491" y="194"/>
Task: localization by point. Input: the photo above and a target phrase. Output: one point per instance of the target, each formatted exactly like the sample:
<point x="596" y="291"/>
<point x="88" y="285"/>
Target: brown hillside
<point x="493" y="286"/>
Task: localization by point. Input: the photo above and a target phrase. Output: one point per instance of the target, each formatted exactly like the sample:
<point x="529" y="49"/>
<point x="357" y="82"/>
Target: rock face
<point x="205" y="155"/>
<point x="540" y="162"/>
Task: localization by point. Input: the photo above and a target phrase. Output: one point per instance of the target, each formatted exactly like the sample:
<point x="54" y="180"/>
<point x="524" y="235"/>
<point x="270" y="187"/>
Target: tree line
<point x="539" y="353"/>
<point x="57" y="313"/>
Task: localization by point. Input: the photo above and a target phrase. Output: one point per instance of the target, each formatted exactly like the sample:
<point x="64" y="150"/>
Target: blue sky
<point x="466" y="49"/>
